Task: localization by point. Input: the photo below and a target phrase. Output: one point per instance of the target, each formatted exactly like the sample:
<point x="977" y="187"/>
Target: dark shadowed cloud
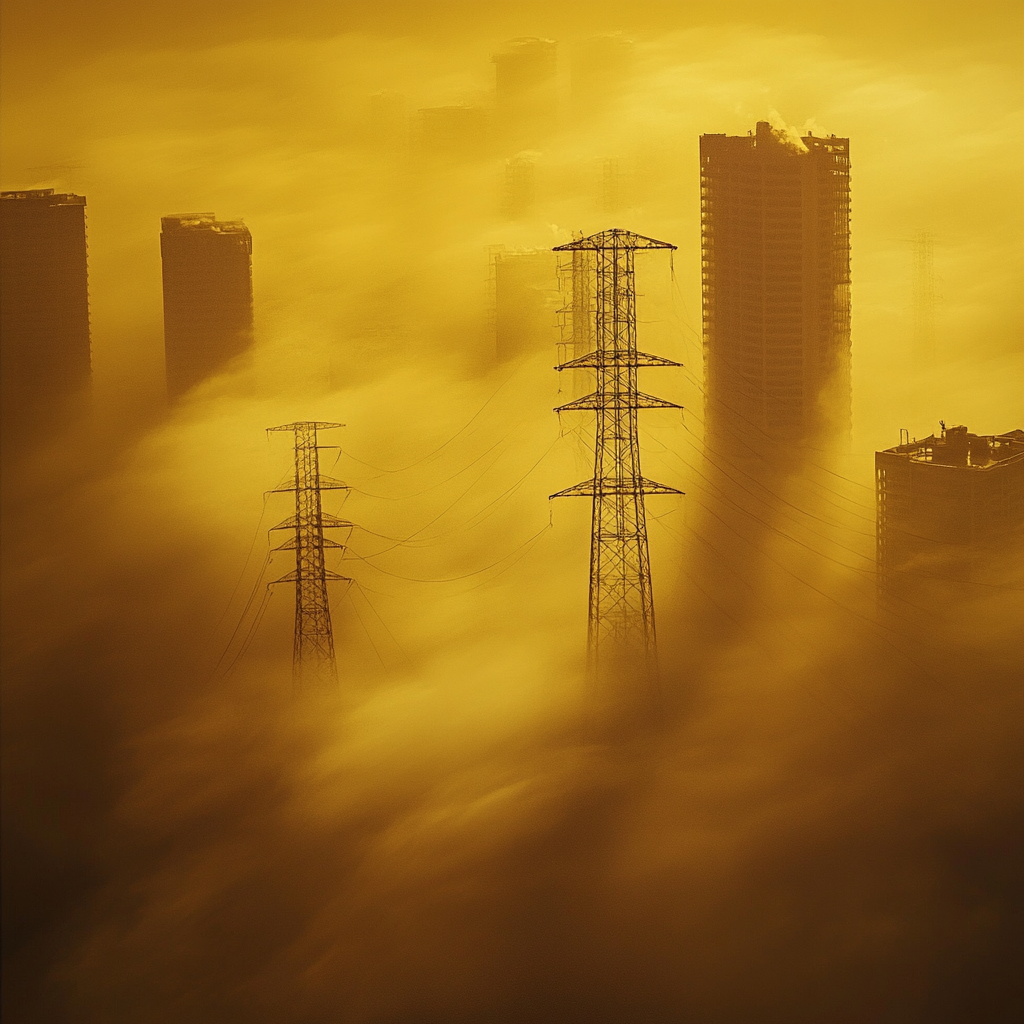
<point x="826" y="823"/>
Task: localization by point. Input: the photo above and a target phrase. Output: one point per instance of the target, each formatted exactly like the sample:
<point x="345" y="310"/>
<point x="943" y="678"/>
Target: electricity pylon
<point x="313" y="664"/>
<point x="620" y="628"/>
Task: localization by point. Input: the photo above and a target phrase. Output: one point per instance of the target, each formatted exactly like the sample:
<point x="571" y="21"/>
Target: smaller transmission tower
<point x="313" y="664"/>
<point x="620" y="632"/>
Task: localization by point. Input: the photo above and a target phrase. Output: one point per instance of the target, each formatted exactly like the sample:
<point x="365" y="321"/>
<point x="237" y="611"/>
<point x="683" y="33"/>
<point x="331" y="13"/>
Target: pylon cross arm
<point x="313" y="424"/>
<point x="326" y="521"/>
<point x="588" y="488"/>
<point x="293" y="577"/>
<point x="292" y="544"/>
<point x="617" y="400"/>
<point x="580" y="490"/>
<point x="653" y="487"/>
<point x="325" y="483"/>
<point x="650" y="402"/>
<point x="592" y="360"/>
<point x="615" y="238"/>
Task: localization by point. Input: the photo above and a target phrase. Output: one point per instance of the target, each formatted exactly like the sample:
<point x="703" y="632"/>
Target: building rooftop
<point x="525" y="44"/>
<point x="764" y="135"/>
<point x="53" y="198"/>
<point x="956" y="447"/>
<point x="202" y="222"/>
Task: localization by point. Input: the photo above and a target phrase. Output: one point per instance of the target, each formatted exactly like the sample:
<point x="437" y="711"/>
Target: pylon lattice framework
<point x="621" y="613"/>
<point x="313" y="661"/>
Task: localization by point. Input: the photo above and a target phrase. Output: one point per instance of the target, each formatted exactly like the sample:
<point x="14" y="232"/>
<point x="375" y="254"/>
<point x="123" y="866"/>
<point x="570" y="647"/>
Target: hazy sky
<point x="827" y="824"/>
<point x="249" y="111"/>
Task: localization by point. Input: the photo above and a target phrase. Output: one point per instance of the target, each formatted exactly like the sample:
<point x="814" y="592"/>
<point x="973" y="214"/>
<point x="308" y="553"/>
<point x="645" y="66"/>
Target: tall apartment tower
<point x="207" y="277"/>
<point x="775" y="220"/>
<point x="526" y="98"/>
<point x="44" y="310"/>
<point x="950" y="508"/>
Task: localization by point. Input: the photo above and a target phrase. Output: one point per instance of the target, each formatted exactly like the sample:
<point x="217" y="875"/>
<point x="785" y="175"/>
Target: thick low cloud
<point x="824" y="822"/>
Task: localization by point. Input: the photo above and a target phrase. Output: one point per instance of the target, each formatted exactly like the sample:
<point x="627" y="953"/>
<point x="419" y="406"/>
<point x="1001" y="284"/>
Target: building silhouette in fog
<point x="526" y="302"/>
<point x="525" y="96"/>
<point x="44" y="309"/>
<point x="520" y="191"/>
<point x="775" y="219"/>
<point x="451" y="134"/>
<point x="207" y="279"/>
<point x="949" y="509"/>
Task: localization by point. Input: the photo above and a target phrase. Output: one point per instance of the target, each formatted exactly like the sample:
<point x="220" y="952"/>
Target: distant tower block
<point x="525" y="302"/>
<point x="775" y="218"/>
<point x="611" y="186"/>
<point x="526" y="98"/>
<point x="924" y="296"/>
<point x="582" y="302"/>
<point x="451" y="135"/>
<point x="207" y="277"/>
<point x="621" y="635"/>
<point x="950" y="509"/>
<point x="520" y="187"/>
<point x="44" y="310"/>
<point x="313" y="660"/>
<point x="576" y="317"/>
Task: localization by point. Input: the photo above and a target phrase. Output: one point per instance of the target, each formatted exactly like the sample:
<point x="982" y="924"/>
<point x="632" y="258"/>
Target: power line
<point x="241" y="618"/>
<point x="348" y="594"/>
<point x="245" y="564"/>
<point x="458" y="433"/>
<point x="450" y="579"/>
<point x="362" y="591"/>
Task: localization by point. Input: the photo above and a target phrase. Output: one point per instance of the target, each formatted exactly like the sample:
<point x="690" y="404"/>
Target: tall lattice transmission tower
<point x="620" y="632"/>
<point x="313" y="663"/>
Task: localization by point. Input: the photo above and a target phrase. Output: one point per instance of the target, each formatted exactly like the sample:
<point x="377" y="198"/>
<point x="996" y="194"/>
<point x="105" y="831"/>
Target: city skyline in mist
<point x="823" y="821"/>
<point x="126" y="333"/>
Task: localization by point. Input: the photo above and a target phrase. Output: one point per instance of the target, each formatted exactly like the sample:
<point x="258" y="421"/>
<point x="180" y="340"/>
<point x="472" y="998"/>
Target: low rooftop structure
<point x="956" y="446"/>
<point x="950" y="507"/>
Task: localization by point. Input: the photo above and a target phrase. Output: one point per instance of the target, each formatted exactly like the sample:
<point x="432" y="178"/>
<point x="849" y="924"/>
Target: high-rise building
<point x="520" y="188"/>
<point x="950" y="509"/>
<point x="44" y="309"/>
<point x="452" y="134"/>
<point x="526" y="98"/>
<point x="526" y="302"/>
<point x="207" y="277"/>
<point x="577" y="315"/>
<point x="775" y="217"/>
